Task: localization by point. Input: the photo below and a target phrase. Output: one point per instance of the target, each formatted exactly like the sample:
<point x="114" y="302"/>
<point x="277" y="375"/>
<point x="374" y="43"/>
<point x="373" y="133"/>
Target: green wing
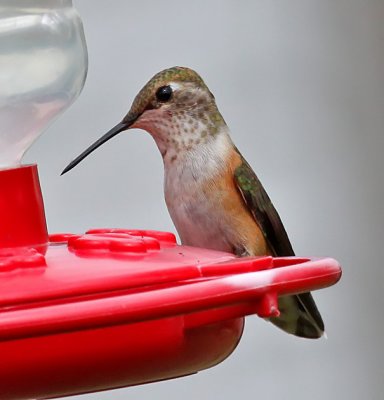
<point x="299" y="314"/>
<point x="263" y="211"/>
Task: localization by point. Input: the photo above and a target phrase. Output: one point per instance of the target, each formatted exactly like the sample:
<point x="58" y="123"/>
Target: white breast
<point x="197" y="218"/>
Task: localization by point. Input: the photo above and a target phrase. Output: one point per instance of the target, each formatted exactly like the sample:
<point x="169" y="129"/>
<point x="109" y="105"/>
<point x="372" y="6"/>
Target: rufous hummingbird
<point x="213" y="196"/>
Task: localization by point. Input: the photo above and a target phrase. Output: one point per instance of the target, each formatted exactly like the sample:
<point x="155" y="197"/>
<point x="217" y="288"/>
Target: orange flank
<point x="223" y="190"/>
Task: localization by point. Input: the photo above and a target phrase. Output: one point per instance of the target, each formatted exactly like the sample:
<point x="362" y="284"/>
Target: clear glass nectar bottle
<point x="43" y="66"/>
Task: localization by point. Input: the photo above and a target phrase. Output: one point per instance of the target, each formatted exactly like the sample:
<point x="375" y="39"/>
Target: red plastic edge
<point x="22" y="213"/>
<point x="261" y="287"/>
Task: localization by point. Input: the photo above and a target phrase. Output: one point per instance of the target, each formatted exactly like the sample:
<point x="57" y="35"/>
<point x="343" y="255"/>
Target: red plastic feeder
<point x="116" y="307"/>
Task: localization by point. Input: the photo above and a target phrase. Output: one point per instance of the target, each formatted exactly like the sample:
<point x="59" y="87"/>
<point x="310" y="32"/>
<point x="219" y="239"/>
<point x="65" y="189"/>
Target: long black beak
<point x="122" y="126"/>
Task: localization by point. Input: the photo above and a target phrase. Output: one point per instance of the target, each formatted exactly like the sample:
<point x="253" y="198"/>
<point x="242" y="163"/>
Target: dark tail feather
<point x="299" y="316"/>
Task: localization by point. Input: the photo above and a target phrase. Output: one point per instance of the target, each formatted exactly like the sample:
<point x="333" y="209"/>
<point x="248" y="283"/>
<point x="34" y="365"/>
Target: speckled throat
<point x="191" y="120"/>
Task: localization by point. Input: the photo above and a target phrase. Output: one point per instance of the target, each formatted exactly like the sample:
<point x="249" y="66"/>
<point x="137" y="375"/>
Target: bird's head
<point x="175" y="107"/>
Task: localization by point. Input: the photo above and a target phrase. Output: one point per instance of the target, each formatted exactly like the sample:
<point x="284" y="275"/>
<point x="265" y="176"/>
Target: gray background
<point x="301" y="85"/>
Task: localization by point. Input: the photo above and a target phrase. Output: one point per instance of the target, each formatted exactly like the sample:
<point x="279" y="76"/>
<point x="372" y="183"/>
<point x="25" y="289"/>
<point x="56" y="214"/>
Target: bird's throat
<point x="197" y="158"/>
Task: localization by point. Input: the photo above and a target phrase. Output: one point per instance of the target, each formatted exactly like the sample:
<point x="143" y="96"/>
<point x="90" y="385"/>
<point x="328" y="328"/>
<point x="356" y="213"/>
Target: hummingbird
<point x="213" y="196"/>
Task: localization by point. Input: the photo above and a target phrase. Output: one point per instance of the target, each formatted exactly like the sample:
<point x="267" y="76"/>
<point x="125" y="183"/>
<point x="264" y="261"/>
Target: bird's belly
<point x="208" y="211"/>
<point x="200" y="225"/>
<point x="198" y="219"/>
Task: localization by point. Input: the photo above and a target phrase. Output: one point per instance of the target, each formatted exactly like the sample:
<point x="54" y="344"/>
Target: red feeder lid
<point x="121" y="307"/>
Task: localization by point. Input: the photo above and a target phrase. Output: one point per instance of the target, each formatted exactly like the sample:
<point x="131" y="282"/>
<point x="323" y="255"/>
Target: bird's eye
<point x="164" y="94"/>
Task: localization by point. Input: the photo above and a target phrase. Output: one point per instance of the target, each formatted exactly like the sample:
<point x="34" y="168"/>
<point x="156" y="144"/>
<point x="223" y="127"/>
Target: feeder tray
<point x="118" y="307"/>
